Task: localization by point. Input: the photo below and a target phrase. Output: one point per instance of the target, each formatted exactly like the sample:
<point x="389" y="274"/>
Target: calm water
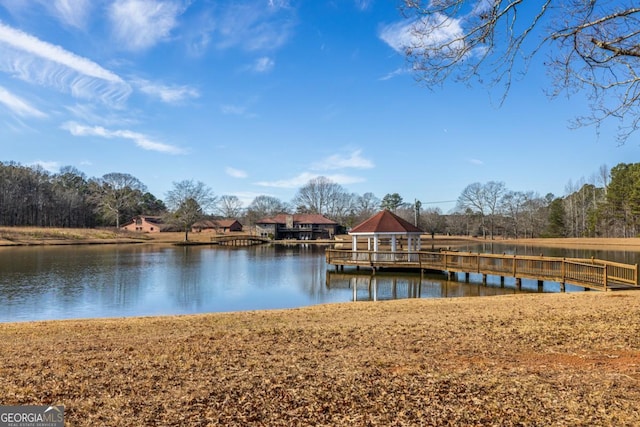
<point x="39" y="283"/>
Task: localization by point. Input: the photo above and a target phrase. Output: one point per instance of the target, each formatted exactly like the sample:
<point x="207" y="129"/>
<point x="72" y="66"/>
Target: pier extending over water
<point x="588" y="273"/>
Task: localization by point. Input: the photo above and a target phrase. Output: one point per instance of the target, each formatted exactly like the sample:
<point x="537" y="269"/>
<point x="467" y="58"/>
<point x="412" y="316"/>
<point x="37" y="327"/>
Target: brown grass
<point x="526" y="360"/>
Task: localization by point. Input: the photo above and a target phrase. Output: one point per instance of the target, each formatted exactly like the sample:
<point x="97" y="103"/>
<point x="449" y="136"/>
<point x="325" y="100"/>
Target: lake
<point x="61" y="282"/>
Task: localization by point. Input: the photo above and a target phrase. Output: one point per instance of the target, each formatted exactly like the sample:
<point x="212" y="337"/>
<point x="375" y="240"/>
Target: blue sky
<point x="259" y="96"/>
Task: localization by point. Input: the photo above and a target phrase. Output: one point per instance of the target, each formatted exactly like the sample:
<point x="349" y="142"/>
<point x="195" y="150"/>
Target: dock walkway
<point x="588" y="273"/>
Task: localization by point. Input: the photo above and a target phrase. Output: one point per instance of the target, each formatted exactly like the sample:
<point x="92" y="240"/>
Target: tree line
<point x="607" y="205"/>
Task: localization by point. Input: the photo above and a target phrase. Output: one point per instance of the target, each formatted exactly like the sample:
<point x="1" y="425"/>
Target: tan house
<point x="145" y="224"/>
<point x="219" y="226"/>
<point x="297" y="227"/>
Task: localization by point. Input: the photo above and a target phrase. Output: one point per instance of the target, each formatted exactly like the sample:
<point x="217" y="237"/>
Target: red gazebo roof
<point x="386" y="222"/>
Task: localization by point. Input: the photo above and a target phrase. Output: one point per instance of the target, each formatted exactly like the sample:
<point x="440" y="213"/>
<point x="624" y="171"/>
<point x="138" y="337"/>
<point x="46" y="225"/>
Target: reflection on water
<point x="39" y="283"/>
<point x="384" y="285"/>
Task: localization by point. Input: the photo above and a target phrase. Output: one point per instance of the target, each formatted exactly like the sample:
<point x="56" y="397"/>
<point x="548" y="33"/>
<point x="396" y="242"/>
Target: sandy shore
<point x="534" y="360"/>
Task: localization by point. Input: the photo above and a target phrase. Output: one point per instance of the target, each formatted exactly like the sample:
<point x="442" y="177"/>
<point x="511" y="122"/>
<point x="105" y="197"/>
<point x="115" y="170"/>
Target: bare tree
<point x="483" y="200"/>
<point x="229" y="206"/>
<point x="318" y="196"/>
<point x="117" y="193"/>
<point x="188" y="202"/>
<point x="588" y="45"/>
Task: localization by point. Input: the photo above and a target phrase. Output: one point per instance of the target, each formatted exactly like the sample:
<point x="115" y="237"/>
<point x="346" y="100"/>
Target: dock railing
<point x="591" y="273"/>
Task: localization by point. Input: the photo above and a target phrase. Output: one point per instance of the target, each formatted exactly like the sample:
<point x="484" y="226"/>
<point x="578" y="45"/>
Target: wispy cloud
<point x="475" y="162"/>
<point x="71" y="12"/>
<point x="236" y="173"/>
<point x="363" y="4"/>
<point x="141" y="24"/>
<point x="394" y="73"/>
<point x="169" y="94"/>
<point x="253" y="25"/>
<point x="45" y="64"/>
<point x="141" y="140"/>
<point x="422" y="33"/>
<point x="49" y="166"/>
<point x="19" y="106"/>
<point x="338" y="161"/>
<point x="303" y="178"/>
<point x="263" y="65"/>
<point x="236" y="110"/>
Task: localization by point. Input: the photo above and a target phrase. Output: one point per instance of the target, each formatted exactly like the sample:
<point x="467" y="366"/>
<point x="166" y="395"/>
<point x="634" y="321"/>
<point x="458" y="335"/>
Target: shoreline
<point x="35" y="236"/>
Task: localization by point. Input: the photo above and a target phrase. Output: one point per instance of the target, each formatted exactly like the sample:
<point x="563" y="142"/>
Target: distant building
<point x="220" y="226"/>
<point x="145" y="224"/>
<point x="297" y="227"/>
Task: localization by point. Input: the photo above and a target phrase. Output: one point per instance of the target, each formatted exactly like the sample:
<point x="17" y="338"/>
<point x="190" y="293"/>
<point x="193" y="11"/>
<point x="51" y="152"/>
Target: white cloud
<point x="139" y="139"/>
<point x="45" y="64"/>
<point x="19" y="106"/>
<point x="141" y="24"/>
<point x="475" y="162"/>
<point x="394" y="73"/>
<point x="253" y="25"/>
<point x="49" y="166"/>
<point x="305" y="177"/>
<point x="233" y="109"/>
<point x="72" y="12"/>
<point x="169" y="94"/>
<point x="236" y="173"/>
<point x="422" y="33"/>
<point x="363" y="4"/>
<point x="263" y="65"/>
<point x="337" y="161"/>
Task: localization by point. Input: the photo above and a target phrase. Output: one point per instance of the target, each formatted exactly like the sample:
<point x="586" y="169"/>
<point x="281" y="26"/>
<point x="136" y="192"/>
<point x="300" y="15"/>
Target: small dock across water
<point x="588" y="273"/>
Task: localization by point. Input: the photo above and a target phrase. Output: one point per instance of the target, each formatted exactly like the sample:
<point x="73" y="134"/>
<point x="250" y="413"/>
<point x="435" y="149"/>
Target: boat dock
<point x="588" y="273"/>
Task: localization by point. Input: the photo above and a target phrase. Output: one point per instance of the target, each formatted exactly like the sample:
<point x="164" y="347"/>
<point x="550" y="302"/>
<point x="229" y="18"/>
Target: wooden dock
<point x="239" y="240"/>
<point x="588" y="273"/>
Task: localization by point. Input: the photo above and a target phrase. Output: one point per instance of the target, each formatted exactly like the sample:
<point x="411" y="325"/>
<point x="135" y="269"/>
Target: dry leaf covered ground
<point x="528" y="360"/>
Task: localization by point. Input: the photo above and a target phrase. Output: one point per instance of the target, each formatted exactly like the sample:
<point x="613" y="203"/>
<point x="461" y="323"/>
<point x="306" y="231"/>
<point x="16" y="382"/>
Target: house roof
<point x="216" y="223"/>
<point x="385" y="222"/>
<point x="298" y="219"/>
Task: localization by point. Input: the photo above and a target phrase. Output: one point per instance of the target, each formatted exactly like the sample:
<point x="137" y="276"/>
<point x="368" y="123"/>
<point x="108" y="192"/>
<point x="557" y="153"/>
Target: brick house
<point x="145" y="224"/>
<point x="297" y="227"/>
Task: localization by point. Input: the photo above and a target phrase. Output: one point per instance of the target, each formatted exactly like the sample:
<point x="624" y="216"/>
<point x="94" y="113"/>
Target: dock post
<point x="466" y="277"/>
<point x="540" y="285"/>
<point x="502" y="281"/>
<point x="518" y="283"/>
<point x="452" y="275"/>
<point x="562" y="287"/>
<point x="484" y="279"/>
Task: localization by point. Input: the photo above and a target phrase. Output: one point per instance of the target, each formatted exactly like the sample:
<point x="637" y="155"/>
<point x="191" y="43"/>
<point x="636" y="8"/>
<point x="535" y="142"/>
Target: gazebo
<point x="384" y="225"/>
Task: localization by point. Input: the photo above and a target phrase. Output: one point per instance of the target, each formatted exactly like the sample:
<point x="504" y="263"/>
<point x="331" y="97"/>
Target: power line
<point x="442" y="201"/>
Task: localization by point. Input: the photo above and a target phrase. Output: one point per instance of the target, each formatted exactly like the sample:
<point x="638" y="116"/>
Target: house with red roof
<point x="385" y="225"/>
<point x="297" y="227"/>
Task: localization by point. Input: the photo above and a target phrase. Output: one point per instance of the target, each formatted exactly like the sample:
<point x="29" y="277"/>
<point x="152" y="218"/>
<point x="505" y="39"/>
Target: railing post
<point x="605" y="273"/>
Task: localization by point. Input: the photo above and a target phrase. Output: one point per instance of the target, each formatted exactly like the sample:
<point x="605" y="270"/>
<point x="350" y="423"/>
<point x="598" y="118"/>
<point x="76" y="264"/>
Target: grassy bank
<point x="543" y="359"/>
